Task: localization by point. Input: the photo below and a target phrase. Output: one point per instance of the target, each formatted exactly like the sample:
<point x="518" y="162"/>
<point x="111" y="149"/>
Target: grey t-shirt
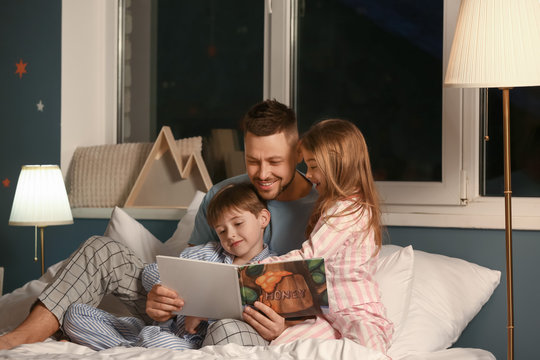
<point x="287" y="223"/>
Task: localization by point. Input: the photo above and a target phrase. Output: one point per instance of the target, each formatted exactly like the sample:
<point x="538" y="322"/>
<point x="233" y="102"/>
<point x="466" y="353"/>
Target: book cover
<point x="219" y="291"/>
<point x="291" y="288"/>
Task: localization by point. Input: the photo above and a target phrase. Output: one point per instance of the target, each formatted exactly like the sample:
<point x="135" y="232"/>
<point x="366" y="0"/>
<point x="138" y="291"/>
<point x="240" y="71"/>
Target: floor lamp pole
<point x="508" y="221"/>
<point x="42" y="252"/>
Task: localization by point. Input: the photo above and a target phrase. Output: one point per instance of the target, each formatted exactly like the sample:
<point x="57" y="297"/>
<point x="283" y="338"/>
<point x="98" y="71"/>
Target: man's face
<point x="270" y="163"/>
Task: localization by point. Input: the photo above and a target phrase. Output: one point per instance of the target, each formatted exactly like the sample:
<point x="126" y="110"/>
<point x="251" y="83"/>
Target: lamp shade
<point x="40" y="198"/>
<point x="496" y="44"/>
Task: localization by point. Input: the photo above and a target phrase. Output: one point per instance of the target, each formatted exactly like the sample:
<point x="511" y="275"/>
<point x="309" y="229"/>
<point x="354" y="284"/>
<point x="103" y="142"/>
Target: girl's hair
<point x="342" y="156"/>
<point x="240" y="196"/>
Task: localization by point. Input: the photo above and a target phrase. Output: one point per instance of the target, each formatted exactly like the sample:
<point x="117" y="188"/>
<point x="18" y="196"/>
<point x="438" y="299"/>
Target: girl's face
<point x="314" y="173"/>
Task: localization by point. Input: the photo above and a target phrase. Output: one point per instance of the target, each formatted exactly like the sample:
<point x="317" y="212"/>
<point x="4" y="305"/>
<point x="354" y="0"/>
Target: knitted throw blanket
<point x="102" y="176"/>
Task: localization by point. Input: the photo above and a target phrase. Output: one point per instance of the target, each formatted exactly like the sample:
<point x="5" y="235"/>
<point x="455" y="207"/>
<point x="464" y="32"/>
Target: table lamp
<point x="497" y="45"/>
<point x="40" y="200"/>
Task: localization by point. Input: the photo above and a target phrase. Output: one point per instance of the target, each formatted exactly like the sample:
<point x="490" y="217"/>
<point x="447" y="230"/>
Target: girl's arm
<point x="327" y="237"/>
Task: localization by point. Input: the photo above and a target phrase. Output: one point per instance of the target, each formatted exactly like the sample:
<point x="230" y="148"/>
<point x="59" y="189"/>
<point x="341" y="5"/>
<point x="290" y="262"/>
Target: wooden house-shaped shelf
<point x="171" y="175"/>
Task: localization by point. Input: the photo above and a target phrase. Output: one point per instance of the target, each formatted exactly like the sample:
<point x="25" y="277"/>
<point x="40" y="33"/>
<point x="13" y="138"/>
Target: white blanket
<point x="312" y="349"/>
<point x="305" y="349"/>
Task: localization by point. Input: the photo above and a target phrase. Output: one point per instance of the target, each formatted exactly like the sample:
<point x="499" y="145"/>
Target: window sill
<point x="136" y="213"/>
<point x="481" y="213"/>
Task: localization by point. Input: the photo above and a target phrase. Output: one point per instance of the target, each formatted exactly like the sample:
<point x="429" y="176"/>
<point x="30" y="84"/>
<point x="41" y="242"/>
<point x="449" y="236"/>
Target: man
<point x="102" y="266"/>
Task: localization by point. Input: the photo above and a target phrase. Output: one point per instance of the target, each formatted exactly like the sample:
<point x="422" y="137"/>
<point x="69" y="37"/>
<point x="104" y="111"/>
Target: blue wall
<point x="487" y="248"/>
<point x="31" y="31"/>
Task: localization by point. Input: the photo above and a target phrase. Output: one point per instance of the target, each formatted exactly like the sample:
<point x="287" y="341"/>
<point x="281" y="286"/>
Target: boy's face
<point x="241" y="233"/>
<point x="271" y="164"/>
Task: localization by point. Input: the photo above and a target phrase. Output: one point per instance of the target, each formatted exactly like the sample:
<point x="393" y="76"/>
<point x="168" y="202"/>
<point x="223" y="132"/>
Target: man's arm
<point x="202" y="232"/>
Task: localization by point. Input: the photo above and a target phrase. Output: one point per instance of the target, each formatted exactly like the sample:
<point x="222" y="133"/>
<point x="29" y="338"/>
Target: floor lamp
<point x="497" y="45"/>
<point x="40" y="200"/>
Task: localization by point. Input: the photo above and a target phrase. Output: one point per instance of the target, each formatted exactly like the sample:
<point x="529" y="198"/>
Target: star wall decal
<point x="40" y="105"/>
<point x="21" y="68"/>
<point x="6" y="182"/>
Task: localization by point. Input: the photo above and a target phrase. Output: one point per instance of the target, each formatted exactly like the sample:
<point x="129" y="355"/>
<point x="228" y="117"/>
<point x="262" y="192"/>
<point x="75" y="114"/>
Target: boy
<point x="239" y="217"/>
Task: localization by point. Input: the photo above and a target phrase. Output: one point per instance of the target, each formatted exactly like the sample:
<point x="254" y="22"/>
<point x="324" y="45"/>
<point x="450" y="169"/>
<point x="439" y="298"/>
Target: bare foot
<point x="5" y="344"/>
<point x="38" y="326"/>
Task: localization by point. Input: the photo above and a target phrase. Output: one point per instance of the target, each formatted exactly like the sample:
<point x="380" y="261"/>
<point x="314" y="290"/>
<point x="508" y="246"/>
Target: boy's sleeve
<point x="150" y="276"/>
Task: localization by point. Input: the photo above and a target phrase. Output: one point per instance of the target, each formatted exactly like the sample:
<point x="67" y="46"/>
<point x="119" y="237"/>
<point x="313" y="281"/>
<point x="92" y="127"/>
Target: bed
<point x="430" y="298"/>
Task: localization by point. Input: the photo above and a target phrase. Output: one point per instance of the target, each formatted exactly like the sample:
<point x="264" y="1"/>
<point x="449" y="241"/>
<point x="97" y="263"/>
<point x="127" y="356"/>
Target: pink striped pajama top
<point x="355" y="308"/>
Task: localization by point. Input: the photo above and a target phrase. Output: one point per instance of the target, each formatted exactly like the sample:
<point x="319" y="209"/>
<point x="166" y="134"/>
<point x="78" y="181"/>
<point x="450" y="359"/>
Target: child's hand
<point x="268" y="323"/>
<point x="161" y="302"/>
<point x="191" y="323"/>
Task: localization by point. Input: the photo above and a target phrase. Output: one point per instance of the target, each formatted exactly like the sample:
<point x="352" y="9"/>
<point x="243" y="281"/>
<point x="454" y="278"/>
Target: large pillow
<point x="446" y="295"/>
<point x="395" y="278"/>
<point x="125" y="229"/>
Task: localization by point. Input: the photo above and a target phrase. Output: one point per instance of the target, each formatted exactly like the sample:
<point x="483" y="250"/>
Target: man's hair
<point x="270" y="117"/>
<point x="240" y="196"/>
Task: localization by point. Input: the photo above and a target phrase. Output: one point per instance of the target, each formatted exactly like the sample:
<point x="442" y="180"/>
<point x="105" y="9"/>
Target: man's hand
<point x="269" y="326"/>
<point x="161" y="302"/>
<point x="191" y="323"/>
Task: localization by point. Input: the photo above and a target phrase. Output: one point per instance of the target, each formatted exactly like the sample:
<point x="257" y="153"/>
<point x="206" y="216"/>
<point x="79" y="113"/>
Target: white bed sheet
<point x="298" y="350"/>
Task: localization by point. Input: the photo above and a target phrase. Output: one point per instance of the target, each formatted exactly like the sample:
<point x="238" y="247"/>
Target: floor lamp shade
<point x="40" y="198"/>
<point x="496" y="44"/>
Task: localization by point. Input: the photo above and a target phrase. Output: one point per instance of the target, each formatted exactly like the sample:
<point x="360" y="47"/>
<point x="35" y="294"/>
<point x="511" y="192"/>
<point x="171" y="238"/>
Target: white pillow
<point x="125" y="229"/>
<point x="395" y="278"/>
<point x="179" y="240"/>
<point x="447" y="294"/>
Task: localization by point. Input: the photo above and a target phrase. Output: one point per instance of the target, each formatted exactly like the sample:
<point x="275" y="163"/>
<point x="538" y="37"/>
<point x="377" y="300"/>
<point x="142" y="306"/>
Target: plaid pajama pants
<point x="227" y="331"/>
<point x="98" y="267"/>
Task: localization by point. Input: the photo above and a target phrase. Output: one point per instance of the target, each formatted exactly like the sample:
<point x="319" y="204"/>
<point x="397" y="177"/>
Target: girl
<point x="345" y="229"/>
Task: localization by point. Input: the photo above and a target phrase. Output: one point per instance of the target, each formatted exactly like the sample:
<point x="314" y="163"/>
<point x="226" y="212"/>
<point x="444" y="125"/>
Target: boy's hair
<point x="270" y="117"/>
<point x="240" y="196"/>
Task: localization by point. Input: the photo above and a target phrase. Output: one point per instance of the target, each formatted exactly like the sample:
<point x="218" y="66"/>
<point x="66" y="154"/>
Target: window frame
<point x="89" y="113"/>
<point x="453" y="202"/>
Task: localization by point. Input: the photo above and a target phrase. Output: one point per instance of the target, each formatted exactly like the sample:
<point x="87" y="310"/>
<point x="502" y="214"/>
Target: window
<point x="195" y="66"/>
<point x="379" y="66"/>
<point x="525" y="143"/>
<point x="416" y="203"/>
<point x="301" y="73"/>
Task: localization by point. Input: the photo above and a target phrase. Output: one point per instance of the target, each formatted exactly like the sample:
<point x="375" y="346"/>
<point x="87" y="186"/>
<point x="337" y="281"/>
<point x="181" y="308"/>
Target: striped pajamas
<point x="97" y="329"/>
<point x="355" y="308"/>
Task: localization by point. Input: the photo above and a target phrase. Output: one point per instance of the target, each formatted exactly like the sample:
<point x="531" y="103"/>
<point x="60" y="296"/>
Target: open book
<point x="220" y="291"/>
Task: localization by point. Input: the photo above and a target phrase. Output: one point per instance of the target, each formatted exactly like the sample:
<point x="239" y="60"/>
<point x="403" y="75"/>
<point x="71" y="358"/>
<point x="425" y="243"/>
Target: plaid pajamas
<point x="227" y="331"/>
<point x="102" y="266"/>
<point x="98" y="267"/>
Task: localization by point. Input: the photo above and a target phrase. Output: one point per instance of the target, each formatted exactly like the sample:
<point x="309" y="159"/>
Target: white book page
<point x="209" y="289"/>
